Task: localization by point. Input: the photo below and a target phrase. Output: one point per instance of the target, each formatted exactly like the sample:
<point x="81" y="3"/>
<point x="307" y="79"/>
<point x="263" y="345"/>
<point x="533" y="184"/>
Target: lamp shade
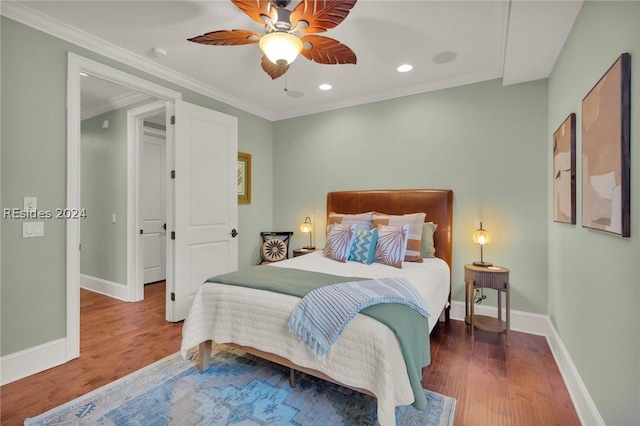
<point x="305" y="228"/>
<point x="481" y="236"/>
<point x="281" y="48"/>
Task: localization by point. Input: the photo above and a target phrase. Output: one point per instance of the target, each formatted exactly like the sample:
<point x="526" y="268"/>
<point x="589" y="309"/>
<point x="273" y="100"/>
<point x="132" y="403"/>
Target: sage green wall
<point x="34" y="149"/>
<point x="594" y="289"/>
<point x="486" y="142"/>
<point x="103" y="184"/>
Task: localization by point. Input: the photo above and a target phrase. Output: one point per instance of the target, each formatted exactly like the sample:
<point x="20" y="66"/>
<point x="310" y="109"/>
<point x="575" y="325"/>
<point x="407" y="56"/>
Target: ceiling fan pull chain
<point x="284" y="80"/>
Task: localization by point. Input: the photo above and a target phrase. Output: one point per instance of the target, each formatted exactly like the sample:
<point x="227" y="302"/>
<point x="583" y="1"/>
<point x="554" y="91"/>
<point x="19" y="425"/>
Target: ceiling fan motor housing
<point x="284" y="20"/>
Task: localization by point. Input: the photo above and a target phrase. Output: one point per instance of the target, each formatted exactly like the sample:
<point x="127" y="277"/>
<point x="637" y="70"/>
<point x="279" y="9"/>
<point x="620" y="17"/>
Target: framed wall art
<point x="244" y="178"/>
<point x="564" y="171"/>
<point x="606" y="132"/>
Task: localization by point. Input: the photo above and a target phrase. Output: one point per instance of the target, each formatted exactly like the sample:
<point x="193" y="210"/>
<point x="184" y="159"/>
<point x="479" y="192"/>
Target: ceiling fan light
<point x="281" y="48"/>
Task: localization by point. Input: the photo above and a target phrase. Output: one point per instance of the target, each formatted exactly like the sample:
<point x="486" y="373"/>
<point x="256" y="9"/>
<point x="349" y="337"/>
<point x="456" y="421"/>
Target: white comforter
<point x="366" y="356"/>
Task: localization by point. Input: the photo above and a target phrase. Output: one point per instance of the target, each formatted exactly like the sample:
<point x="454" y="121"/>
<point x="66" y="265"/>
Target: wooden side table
<point x="302" y="251"/>
<point x="497" y="278"/>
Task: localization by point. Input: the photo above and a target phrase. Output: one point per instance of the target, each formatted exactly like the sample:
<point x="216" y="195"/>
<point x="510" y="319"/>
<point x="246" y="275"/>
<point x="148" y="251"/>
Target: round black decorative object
<point x="274" y="250"/>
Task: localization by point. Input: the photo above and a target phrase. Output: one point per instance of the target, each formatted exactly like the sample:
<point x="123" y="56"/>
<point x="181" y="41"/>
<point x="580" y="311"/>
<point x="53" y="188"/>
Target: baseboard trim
<point x="541" y="325"/>
<point x="108" y="288"/>
<point x="586" y="408"/>
<point x="19" y="365"/>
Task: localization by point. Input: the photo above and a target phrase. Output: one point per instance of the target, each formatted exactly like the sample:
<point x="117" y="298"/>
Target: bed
<point x="367" y="357"/>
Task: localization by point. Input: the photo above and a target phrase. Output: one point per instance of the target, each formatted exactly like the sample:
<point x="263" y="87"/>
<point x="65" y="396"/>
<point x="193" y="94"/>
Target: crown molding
<point x="114" y="103"/>
<point x="32" y="18"/>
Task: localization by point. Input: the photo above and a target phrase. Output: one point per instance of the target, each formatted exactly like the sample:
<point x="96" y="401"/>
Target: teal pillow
<point x="364" y="246"/>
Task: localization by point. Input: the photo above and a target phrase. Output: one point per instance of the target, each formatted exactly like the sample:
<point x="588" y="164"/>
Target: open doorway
<point x="114" y="117"/>
<point x="201" y="203"/>
<point x="124" y="255"/>
<point x="148" y="132"/>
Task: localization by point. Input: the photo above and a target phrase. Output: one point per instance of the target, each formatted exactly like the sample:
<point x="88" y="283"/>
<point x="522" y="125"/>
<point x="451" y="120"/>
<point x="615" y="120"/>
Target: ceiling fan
<point x="281" y="42"/>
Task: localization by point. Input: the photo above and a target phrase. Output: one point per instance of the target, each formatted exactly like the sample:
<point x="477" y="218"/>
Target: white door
<point x="152" y="205"/>
<point x="205" y="214"/>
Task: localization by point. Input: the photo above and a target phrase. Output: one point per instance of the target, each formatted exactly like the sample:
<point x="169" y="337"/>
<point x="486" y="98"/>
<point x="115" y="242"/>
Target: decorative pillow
<point x="274" y="250"/>
<point x="415" y="222"/>
<point x="339" y="242"/>
<point x="360" y="220"/>
<point x="364" y="246"/>
<point x="392" y="245"/>
<point x="427" y="248"/>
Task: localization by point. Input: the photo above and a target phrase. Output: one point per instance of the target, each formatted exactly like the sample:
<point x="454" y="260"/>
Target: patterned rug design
<point x="238" y="389"/>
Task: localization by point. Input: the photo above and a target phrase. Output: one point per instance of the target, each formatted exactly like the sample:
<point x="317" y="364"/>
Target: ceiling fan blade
<point x="255" y="9"/>
<point x="272" y="69"/>
<point x="325" y="50"/>
<point x="227" y="38"/>
<point x="321" y="15"/>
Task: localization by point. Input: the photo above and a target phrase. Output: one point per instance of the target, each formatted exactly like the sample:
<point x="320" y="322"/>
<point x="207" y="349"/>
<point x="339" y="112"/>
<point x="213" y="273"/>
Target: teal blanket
<point x="411" y="328"/>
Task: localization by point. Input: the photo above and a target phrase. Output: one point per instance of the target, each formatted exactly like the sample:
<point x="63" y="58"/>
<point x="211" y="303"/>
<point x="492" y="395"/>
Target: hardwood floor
<point x="498" y="385"/>
<point x="116" y="338"/>
<point x="493" y="384"/>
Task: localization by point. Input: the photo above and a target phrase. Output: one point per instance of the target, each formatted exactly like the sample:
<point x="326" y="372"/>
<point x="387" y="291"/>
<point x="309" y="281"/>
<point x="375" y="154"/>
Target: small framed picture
<point x="564" y="171"/>
<point x="244" y="178"/>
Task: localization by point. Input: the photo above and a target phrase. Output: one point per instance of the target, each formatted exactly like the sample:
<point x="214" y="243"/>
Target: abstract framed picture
<point x="244" y="178"/>
<point x="564" y="171"/>
<point x="606" y="131"/>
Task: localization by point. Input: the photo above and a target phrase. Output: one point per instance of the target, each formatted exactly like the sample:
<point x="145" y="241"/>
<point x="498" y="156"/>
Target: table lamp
<point x="305" y="228"/>
<point x="481" y="237"/>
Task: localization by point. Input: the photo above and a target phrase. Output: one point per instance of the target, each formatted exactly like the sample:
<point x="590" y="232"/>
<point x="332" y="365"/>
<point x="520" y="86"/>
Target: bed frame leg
<point x="204" y="355"/>
<point x="443" y="316"/>
<point x="292" y="377"/>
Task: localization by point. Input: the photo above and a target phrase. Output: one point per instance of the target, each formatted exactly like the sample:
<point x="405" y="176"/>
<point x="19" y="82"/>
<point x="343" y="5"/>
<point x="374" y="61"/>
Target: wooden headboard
<point x="436" y="203"/>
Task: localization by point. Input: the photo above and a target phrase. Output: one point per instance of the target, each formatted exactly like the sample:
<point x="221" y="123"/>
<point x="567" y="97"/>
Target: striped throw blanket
<point x="322" y="315"/>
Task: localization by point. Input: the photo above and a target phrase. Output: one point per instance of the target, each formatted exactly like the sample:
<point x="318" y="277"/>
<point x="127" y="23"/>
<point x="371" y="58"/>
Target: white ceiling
<point x="515" y="40"/>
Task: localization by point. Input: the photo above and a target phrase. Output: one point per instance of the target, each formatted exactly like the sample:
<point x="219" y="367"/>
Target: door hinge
<point x="141" y="232"/>
<point x="80" y="247"/>
<point x="173" y="235"/>
<point x="173" y="174"/>
<point x="173" y="297"/>
<point x="173" y="119"/>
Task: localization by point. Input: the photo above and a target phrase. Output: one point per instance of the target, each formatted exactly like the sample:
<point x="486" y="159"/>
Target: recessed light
<point x="324" y="86"/>
<point x="405" y="68"/>
<point x="445" y="57"/>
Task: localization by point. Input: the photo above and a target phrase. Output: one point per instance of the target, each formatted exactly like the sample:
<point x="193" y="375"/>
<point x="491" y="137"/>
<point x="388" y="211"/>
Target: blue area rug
<point x="238" y="389"/>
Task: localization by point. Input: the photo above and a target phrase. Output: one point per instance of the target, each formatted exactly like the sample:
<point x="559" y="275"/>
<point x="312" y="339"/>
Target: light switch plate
<point x="32" y="229"/>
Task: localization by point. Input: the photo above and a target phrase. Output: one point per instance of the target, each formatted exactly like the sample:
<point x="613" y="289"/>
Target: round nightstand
<point x="497" y="278"/>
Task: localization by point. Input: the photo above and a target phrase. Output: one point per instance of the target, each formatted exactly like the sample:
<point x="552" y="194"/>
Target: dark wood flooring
<point x="493" y="384"/>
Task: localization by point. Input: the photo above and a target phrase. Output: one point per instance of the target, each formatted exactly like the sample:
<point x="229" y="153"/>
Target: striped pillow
<point x="415" y="222"/>
<point x="360" y="220"/>
<point x="392" y="245"/>
<point x="339" y="242"/>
